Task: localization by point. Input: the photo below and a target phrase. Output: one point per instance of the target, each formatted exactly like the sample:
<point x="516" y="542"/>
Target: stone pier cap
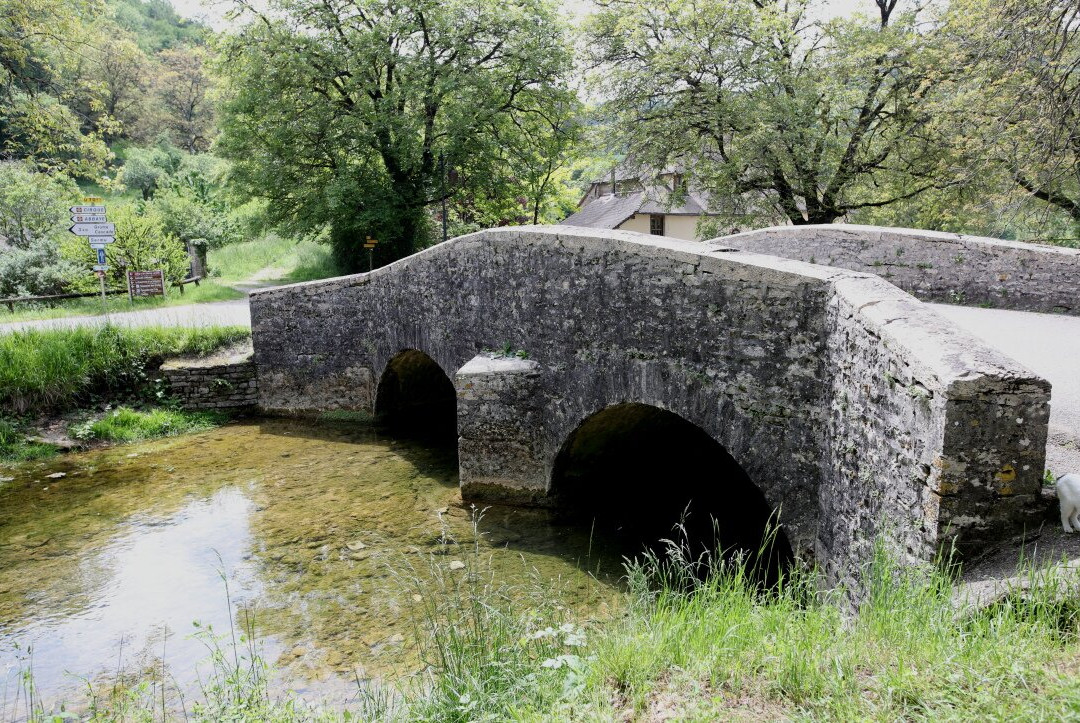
<point x="856" y="410"/>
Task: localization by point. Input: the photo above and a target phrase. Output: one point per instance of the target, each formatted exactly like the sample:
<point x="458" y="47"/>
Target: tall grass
<point x="53" y="369"/>
<point x="725" y="647"/>
<point x="273" y="258"/>
<point x="130" y="425"/>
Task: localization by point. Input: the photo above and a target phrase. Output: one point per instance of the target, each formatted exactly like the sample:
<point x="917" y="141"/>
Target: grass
<point x="15" y="447"/>
<point x="130" y="425"/>
<point x="273" y="258"/>
<point x="56" y="369"/>
<point x="206" y="291"/>
<point x="721" y="649"/>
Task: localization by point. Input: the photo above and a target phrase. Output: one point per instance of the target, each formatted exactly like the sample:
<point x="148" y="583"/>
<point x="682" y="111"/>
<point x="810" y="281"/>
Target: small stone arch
<point x="416" y="398"/>
<point x="639" y="471"/>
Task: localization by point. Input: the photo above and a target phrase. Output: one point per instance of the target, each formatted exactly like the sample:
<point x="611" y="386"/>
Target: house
<point x="625" y="201"/>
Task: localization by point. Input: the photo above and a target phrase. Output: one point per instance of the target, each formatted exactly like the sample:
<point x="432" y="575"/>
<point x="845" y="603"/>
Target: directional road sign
<point x="101" y="267"/>
<point x="101" y="239"/>
<point x="87" y="209"/>
<point x="93" y="229"/>
<point x="88" y="218"/>
<point x="98" y="246"/>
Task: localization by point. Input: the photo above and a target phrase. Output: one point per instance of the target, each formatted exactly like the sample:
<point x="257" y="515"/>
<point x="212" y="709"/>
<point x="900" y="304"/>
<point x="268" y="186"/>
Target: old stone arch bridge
<point x="827" y="396"/>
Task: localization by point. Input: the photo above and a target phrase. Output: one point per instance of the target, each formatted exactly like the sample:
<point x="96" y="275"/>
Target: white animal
<point x="1068" y="491"/>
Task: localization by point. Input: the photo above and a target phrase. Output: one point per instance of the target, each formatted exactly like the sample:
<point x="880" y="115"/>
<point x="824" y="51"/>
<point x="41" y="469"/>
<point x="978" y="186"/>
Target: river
<point x="322" y="537"/>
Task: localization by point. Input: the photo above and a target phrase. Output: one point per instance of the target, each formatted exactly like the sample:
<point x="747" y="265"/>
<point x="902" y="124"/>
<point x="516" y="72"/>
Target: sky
<point x="213" y="11"/>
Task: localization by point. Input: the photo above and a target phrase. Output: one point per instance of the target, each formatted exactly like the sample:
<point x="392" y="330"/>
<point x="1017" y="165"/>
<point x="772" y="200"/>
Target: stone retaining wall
<point x="933" y="266"/>
<point x="857" y="411"/>
<point x="201" y="386"/>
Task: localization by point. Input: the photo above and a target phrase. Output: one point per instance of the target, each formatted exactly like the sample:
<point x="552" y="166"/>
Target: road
<point x="217" y="313"/>
<point x="1048" y="344"/>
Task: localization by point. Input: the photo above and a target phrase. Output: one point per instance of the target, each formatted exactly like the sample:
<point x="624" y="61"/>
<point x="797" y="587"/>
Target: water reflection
<point x="309" y="524"/>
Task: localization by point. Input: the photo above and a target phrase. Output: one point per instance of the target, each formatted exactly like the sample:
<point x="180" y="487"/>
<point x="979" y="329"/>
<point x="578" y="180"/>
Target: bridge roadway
<point x="1048" y="344"/>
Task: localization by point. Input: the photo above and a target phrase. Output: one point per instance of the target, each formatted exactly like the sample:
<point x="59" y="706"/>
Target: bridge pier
<point x="499" y="418"/>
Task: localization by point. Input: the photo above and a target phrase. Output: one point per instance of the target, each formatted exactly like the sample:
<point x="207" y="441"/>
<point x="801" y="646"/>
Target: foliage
<point x="156" y="25"/>
<point x="143" y="243"/>
<point x="1018" y="98"/>
<point x="182" y="89"/>
<point x="58" y="368"/>
<point x="207" y="291"/>
<point x="39" y="41"/>
<point x="145" y="168"/>
<point x="33" y="215"/>
<point x="773" y="114"/>
<point x="345" y="116"/>
<point x="15" y="447"/>
<point x="125" y="424"/>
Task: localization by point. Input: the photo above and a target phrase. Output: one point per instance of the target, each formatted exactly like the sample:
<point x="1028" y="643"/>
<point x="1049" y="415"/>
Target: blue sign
<point x="101" y="256"/>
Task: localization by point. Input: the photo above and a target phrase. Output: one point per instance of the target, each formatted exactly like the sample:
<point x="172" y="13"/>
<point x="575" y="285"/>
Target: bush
<point x="54" y="369"/>
<point x="33" y="216"/>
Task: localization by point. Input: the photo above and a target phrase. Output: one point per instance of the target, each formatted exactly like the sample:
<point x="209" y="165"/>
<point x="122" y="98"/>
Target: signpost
<point x="90" y="221"/>
<point x="93" y="229"/>
<point x="146" y="283"/>
<point x="369" y="244"/>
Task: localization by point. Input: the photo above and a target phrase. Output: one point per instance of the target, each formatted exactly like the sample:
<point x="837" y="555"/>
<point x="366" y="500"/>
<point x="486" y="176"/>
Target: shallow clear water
<point x="314" y="528"/>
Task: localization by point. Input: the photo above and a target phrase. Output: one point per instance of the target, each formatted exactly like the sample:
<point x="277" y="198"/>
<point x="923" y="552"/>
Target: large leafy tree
<point x="344" y="113"/>
<point x="39" y="40"/>
<point x="773" y="113"/>
<point x="1018" y="103"/>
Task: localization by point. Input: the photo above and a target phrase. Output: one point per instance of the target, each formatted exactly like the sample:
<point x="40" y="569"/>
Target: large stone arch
<point x="839" y="395"/>
<point x="415" y="396"/>
<point x="647" y="474"/>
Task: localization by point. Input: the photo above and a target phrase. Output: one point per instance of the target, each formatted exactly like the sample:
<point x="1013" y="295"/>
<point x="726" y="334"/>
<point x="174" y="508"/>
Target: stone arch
<point x="637" y="470"/>
<point x="416" y="398"/>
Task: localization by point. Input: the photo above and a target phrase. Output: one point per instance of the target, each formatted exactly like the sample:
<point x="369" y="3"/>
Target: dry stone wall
<point x="933" y="266"/>
<point x="198" y="385"/>
<point x="858" y="412"/>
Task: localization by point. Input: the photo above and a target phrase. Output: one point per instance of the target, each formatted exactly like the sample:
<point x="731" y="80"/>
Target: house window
<point x="656" y="224"/>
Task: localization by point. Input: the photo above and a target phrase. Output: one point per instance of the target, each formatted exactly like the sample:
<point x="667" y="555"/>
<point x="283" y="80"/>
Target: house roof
<point x="610" y="211"/>
<point x="606" y="211"/>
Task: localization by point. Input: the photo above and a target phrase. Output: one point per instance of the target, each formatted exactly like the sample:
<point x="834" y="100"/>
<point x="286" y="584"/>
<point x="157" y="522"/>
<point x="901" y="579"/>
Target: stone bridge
<point x="636" y="373"/>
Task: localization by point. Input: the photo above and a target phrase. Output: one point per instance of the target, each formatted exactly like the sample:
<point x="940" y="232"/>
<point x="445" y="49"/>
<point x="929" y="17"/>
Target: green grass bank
<point x="724" y="649"/>
<point x="55" y="369"/>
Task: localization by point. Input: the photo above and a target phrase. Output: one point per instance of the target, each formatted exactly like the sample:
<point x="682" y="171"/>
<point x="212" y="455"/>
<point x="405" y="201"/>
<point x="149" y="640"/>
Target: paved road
<point x="223" y="313"/>
<point x="1048" y="344"/>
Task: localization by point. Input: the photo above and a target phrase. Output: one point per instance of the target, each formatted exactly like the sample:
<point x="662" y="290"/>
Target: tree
<point x="122" y="76"/>
<point x="38" y="40"/>
<point x="342" y="114"/>
<point x="183" y="88"/>
<point x="770" y="112"/>
<point x="1020" y="99"/>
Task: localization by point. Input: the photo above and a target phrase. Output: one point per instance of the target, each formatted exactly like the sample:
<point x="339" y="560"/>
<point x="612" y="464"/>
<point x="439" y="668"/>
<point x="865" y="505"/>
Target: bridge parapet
<point x="855" y="410"/>
<point x="949" y="268"/>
